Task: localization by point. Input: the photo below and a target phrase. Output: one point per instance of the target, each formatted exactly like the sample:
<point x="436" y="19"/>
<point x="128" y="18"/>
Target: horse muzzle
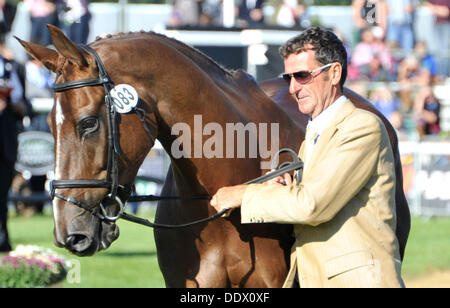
<point x="84" y="233"/>
<point x="84" y="244"/>
<point x="81" y="244"/>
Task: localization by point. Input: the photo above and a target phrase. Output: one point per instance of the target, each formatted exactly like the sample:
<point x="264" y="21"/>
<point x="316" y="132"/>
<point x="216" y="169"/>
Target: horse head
<point x="86" y="163"/>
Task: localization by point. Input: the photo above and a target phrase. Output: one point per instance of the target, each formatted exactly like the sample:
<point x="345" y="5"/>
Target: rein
<point x="112" y="175"/>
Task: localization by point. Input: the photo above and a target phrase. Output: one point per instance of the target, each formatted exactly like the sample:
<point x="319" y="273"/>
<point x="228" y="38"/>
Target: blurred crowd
<point x="22" y="82"/>
<point x="386" y="62"/>
<point x="248" y="13"/>
<point x="72" y="16"/>
<point x="394" y="70"/>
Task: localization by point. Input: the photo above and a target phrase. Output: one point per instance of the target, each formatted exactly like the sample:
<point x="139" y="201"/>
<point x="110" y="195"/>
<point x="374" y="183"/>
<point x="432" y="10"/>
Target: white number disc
<point x="125" y="98"/>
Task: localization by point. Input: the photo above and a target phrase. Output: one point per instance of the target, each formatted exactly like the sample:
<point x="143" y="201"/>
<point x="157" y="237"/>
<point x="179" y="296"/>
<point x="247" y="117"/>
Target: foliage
<point x="31" y="266"/>
<point x="130" y="262"/>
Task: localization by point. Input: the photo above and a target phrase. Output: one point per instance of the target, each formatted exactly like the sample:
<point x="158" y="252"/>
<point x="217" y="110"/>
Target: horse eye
<point x="88" y="125"/>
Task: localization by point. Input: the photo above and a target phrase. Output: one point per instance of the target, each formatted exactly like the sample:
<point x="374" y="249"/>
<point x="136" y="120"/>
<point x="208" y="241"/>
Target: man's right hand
<point x="285" y="179"/>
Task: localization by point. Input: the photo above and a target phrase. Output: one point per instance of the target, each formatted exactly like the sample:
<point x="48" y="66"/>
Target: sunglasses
<point x="304" y="77"/>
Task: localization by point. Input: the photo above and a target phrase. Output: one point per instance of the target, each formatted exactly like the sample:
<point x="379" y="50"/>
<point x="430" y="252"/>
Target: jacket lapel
<point x="301" y="152"/>
<point x="328" y="133"/>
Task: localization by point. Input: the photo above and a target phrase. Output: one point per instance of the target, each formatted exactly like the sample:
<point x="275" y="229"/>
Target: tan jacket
<point x="343" y="211"/>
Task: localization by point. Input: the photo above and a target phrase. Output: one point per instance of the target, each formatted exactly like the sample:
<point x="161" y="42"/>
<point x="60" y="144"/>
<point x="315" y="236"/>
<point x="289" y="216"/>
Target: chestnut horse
<point x="174" y="83"/>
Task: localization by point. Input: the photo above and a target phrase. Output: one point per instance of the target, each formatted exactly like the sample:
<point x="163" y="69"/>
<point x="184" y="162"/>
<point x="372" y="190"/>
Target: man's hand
<point x="228" y="197"/>
<point x="231" y="197"/>
<point x="285" y="179"/>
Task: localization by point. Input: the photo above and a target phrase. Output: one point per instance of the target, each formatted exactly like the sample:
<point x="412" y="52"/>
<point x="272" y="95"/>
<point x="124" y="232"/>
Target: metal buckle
<point x="104" y="214"/>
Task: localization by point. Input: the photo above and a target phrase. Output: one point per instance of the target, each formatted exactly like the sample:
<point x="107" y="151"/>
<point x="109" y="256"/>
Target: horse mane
<point x="191" y="51"/>
<point x="243" y="82"/>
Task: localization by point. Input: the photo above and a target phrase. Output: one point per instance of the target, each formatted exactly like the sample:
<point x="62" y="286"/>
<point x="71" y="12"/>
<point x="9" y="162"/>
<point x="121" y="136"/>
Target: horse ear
<point x="66" y="47"/>
<point x="48" y="57"/>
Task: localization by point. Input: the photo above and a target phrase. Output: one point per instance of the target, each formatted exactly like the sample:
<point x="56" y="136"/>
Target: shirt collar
<point x="323" y="119"/>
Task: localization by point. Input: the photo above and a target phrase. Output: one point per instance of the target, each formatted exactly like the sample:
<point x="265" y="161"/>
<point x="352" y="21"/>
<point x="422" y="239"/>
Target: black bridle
<point x="112" y="175"/>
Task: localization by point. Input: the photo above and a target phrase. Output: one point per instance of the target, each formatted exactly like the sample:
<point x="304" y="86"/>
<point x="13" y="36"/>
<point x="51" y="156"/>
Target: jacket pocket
<point x="347" y="262"/>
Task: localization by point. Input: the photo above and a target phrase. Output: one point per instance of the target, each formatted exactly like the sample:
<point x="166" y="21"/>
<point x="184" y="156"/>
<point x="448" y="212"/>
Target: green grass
<point x="428" y="247"/>
<point x="131" y="260"/>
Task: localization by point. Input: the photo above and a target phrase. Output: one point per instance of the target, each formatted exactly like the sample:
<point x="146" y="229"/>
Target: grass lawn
<point x="131" y="260"/>
<point x="428" y="247"/>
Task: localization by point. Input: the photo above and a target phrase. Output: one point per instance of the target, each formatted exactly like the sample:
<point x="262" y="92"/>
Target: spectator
<point x="7" y="15"/>
<point x="42" y="12"/>
<point x="76" y="20"/>
<point x="359" y="87"/>
<point x="250" y="13"/>
<point x="426" y="111"/>
<point x="427" y="61"/>
<point x="371" y="58"/>
<point x="12" y="108"/>
<point x="376" y="71"/>
<point x="411" y="75"/>
<point x="369" y="13"/>
<point x="400" y="22"/>
<point x="38" y="80"/>
<point x="388" y="105"/>
<point x="441" y="10"/>
<point x="292" y="13"/>
<point x="185" y="13"/>
<point x="411" y="72"/>
<point x="211" y="13"/>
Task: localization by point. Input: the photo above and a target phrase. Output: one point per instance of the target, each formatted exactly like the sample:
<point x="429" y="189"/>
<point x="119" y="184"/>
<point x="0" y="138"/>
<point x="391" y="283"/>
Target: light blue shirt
<point x="397" y="12"/>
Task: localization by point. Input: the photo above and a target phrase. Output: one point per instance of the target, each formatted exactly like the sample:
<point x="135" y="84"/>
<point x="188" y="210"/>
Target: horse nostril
<point x="78" y="242"/>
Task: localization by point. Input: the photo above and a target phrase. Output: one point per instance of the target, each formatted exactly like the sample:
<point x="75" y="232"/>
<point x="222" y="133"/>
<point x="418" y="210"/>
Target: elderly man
<point x="343" y="211"/>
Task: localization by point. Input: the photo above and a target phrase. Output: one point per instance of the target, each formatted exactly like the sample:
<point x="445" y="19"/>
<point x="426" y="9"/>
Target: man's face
<point x="311" y="97"/>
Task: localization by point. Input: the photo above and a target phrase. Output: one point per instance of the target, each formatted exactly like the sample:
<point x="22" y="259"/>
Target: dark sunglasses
<point x="304" y="77"/>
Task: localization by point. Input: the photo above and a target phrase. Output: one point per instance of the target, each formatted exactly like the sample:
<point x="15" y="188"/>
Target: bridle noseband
<point x="111" y="181"/>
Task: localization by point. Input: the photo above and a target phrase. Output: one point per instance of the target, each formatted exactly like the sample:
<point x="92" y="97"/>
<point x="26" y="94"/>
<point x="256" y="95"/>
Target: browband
<point x="78" y="84"/>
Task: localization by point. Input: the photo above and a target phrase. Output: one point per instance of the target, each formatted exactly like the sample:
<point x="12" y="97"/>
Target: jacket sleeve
<point x="327" y="187"/>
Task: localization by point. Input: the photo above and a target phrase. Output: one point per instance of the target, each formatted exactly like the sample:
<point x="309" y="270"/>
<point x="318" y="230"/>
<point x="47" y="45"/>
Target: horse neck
<point x="181" y="86"/>
<point x="237" y="100"/>
<point x="199" y="174"/>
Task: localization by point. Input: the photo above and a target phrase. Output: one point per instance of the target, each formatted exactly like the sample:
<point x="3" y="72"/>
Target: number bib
<point x="125" y="98"/>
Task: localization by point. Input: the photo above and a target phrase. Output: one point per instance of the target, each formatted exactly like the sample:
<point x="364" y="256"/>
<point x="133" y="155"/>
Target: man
<point x="42" y="12"/>
<point x="12" y="107"/>
<point x="401" y="23"/>
<point x="76" y="20"/>
<point x="343" y="210"/>
<point x="441" y="10"/>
